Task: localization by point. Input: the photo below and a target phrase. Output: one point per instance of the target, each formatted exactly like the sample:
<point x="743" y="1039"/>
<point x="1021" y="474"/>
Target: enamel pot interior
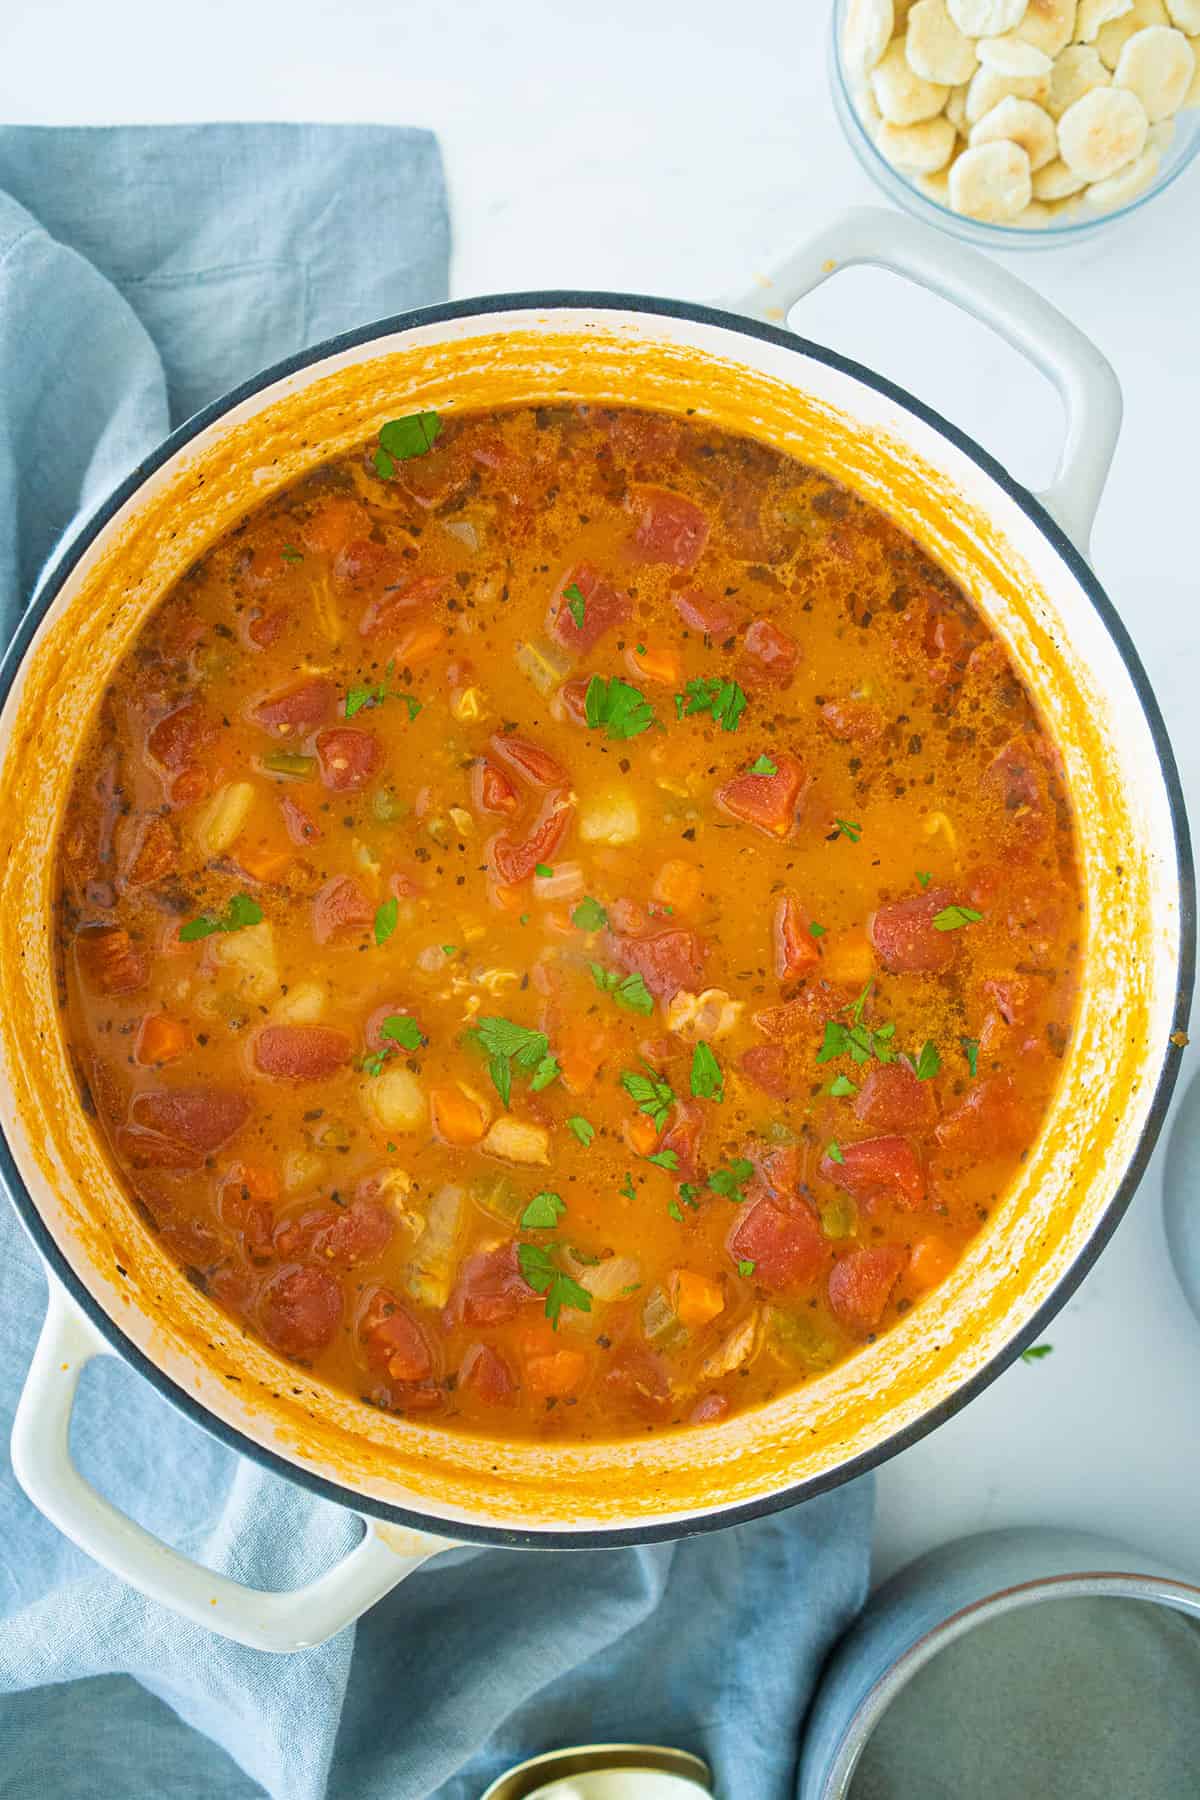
<point x="1064" y="638"/>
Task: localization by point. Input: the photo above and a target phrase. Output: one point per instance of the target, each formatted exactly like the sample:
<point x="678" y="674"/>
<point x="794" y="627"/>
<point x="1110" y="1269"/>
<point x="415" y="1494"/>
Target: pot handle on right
<point x="1091" y="394"/>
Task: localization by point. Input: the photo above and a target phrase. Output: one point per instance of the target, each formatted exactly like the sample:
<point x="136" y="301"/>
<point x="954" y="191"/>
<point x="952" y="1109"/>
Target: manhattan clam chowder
<point x="568" y="922"/>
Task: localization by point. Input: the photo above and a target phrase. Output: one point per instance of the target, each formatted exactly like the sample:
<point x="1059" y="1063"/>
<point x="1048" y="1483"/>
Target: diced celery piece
<point x="800" y="1338"/>
<point x="290" y="762"/>
<point x="660" y="1325"/>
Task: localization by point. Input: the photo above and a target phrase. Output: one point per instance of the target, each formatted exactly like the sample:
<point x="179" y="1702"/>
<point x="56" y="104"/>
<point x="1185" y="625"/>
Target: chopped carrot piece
<point x="261" y="862"/>
<point x="694" y="1298"/>
<point x="654" y="662"/>
<point x="459" y="1117"/>
<point x="931" y="1261"/>
<point x="561" y="1373"/>
<point x="418" y="644"/>
<point x="580" y="1048"/>
<point x="259" y="1181"/>
<point x="161" y="1039"/>
<point x="847" y="958"/>
<point x="336" y="524"/>
<point x="677" y="885"/>
<point x="640" y="1135"/>
<point x="507" y="897"/>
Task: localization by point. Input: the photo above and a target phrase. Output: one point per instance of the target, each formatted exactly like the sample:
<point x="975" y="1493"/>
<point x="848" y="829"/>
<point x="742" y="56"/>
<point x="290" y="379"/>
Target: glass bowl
<point x="1075" y="228"/>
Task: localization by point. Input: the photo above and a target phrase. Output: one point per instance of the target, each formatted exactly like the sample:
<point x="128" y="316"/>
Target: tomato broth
<point x="569" y="922"/>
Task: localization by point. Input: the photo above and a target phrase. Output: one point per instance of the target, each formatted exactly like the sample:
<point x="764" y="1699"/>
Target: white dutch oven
<point x="1022" y="560"/>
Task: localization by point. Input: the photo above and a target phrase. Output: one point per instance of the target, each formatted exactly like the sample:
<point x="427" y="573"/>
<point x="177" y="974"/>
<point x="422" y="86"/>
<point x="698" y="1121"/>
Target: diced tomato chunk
<point x="490" y="1288"/>
<point x="670" y="529"/>
<point x="348" y="758"/>
<point x="572" y="696"/>
<point x="1015" y="783"/>
<point x="189" y="1123"/>
<point x="878" y="1169"/>
<point x="806" y="1011"/>
<point x="297" y="708"/>
<point x="362" y="565"/>
<point x="666" y="962"/>
<point x="393" y="1339"/>
<point x="485" y="1372"/>
<point x="190" y="786"/>
<point x="300" y="1309"/>
<point x="783" y="1242"/>
<point x="861" y="1283"/>
<point x="334" y="524"/>
<point x="991" y="1120"/>
<point x="533" y="764"/>
<point x="769" y="1067"/>
<point x="682" y="1135"/>
<point x="708" y="1409"/>
<point x="301" y="1052"/>
<point x="181" y="734"/>
<point x="796" y="949"/>
<point x="491" y="789"/>
<point x="603" y="610"/>
<point x="266" y="628"/>
<point x="156" y="854"/>
<point x="905" y="938"/>
<point x="853" y="721"/>
<point x="341" y="905"/>
<point x="767" y="802"/>
<point x="702" y="612"/>
<point x="404" y="609"/>
<point x="340" y="1236"/>
<point x="638" y="1378"/>
<point x="301" y="828"/>
<point x="515" y="860"/>
<point x="773" y="655"/>
<point x="891" y="1099"/>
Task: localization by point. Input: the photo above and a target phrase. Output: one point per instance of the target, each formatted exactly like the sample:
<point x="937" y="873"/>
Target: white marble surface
<point x="670" y="148"/>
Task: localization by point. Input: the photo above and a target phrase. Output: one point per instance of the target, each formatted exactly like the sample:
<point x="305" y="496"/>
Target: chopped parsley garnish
<point x="841" y="1087"/>
<point x="708" y="1083"/>
<point x="762" y="765"/>
<point x="924" y="876"/>
<point x="543" y="869"/>
<point x="847" y="828"/>
<point x="581" y="1128"/>
<point x="929" y="1061"/>
<point x="664" y="1159"/>
<point x="589" y="915"/>
<point x="629" y="991"/>
<point x="386" y="916"/>
<point x="1036" y="1352"/>
<point x="401" y="1031"/>
<point x="729" y="1180"/>
<point x="627" y="1188"/>
<point x="449" y="949"/>
<point x="576" y="604"/>
<point x="650" y="1094"/>
<point x="401" y="439"/>
<point x="953" y="918"/>
<point x="816" y="930"/>
<point x="289" y="553"/>
<point x="375" y="695"/>
<point x="970" y="1049"/>
<point x="239" y="912"/>
<point x="537" y="1266"/>
<point x="507" y="1045"/>
<point x="725" y="700"/>
<point x="543" y="1212"/>
<point x="674" y="1212"/>
<point x="857" y="1041"/>
<point x="624" y="711"/>
<point x="746" y="1267"/>
<point x="833" y="1151"/>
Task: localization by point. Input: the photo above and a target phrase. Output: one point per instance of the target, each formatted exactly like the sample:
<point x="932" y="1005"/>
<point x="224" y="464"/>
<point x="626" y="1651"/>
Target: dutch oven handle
<point x="1089" y="389"/>
<point x="42" y="1463"/>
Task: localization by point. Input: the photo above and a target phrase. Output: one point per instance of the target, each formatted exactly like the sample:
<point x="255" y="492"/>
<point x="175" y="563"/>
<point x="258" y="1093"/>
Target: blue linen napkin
<point x="142" y="272"/>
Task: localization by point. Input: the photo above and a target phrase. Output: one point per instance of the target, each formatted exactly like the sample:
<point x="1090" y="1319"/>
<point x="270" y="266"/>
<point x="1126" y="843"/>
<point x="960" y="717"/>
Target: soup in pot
<point x="569" y="922"/>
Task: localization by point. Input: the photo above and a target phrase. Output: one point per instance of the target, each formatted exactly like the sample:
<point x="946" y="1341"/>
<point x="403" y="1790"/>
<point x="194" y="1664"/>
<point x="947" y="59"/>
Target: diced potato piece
<point x="221" y="819"/>
<point x="395" y="1099"/>
<point x="711" y="1014"/>
<point x="609" y="816"/>
<point x="469" y="705"/>
<point x="736" y="1349"/>
<point x="848" y="959"/>
<point x="937" y="824"/>
<point x="518" y="1141"/>
<point x="696" y="1299"/>
<point x="428" y="1275"/>
<point x="393" y="1188"/>
<point x="544" y="667"/>
<point x="301" y="1169"/>
<point x="248" y="956"/>
<point x="677" y="884"/>
<point x="303" y="1004"/>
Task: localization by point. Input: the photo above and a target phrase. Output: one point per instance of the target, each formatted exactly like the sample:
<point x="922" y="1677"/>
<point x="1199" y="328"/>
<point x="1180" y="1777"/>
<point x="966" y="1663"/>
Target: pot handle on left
<point x="282" y="1622"/>
<point x="1086" y="383"/>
